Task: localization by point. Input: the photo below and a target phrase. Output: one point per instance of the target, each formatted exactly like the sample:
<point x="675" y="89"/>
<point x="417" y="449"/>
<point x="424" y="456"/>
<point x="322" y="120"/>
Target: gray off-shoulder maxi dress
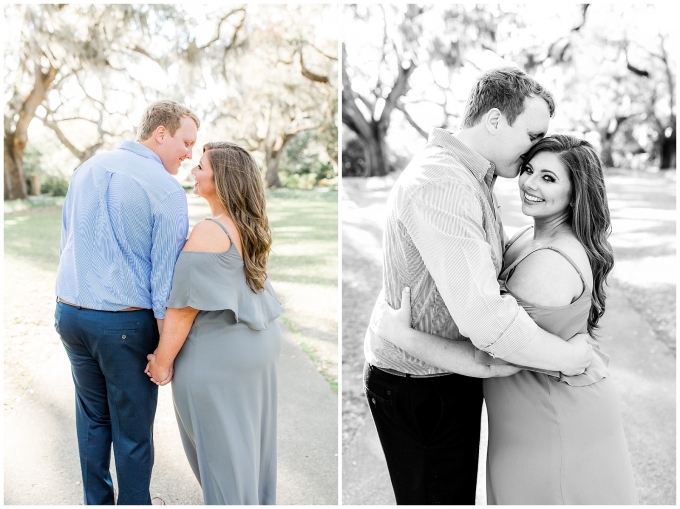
<point x="224" y="386"/>
<point x="555" y="439"/>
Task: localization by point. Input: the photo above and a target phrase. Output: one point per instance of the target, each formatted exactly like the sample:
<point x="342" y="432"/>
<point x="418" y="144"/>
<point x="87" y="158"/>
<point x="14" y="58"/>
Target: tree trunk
<point x="667" y="151"/>
<point x="607" y="145"/>
<point x="607" y="149"/>
<point x="16" y="139"/>
<point x="15" y="183"/>
<point x="35" y="185"/>
<point x="272" y="175"/>
<point x="374" y="149"/>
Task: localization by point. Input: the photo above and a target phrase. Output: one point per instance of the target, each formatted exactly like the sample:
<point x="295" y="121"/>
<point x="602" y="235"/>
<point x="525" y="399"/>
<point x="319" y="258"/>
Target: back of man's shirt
<point x="124" y="222"/>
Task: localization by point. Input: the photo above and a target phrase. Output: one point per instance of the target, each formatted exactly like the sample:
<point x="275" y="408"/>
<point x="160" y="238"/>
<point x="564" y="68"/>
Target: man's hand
<point x="583" y="354"/>
<point x="387" y="322"/>
<point x="159" y="375"/>
<point x="146" y="369"/>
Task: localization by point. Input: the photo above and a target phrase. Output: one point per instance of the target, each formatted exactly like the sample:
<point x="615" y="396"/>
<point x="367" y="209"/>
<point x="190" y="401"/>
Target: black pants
<point x="429" y="431"/>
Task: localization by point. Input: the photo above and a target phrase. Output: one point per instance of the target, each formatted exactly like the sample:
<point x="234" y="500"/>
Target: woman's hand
<point x="160" y="375"/>
<point x="581" y="342"/>
<point x="389" y="323"/>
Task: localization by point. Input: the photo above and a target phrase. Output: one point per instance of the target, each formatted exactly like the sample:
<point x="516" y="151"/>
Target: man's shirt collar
<point x="480" y="167"/>
<point x="138" y="148"/>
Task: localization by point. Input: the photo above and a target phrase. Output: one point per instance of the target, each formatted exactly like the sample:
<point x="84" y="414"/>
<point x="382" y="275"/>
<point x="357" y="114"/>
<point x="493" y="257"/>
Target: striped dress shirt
<point x="444" y="239"/>
<point x="124" y="222"/>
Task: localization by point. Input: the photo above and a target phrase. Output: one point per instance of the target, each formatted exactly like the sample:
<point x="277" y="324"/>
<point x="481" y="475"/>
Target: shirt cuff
<point x="517" y="335"/>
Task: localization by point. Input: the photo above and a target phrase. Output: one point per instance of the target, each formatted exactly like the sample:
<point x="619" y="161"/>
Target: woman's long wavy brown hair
<point x="239" y="188"/>
<point x="590" y="219"/>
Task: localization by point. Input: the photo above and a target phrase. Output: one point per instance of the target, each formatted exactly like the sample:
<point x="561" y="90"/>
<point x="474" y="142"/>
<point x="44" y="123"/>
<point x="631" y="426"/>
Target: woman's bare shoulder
<point x="207" y="236"/>
<point x="546" y="278"/>
<point x="571" y="246"/>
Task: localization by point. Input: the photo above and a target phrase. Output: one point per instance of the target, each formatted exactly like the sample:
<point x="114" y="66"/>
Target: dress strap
<point x="221" y="226"/>
<point x="564" y="255"/>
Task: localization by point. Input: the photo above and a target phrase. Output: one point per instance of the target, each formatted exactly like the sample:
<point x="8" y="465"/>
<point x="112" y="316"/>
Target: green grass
<point x="32" y="202"/>
<point x="303" y="268"/>
<point x="327" y="194"/>
<point x="34" y="235"/>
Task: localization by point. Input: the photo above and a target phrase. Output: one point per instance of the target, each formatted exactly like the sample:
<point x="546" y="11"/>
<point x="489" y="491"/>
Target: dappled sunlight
<point x="639" y="210"/>
<point x="35" y="237"/>
<point x="633" y="238"/>
<point x="293" y="229"/>
<point x="649" y="271"/>
<point x="375" y="214"/>
<point x="366" y="241"/>
<point x="312" y="306"/>
<point x="15" y="220"/>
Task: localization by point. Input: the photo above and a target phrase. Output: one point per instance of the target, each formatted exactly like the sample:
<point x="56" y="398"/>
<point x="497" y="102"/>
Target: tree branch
<point x="62" y="137"/>
<point x="41" y="84"/>
<point x="219" y="27"/>
<point x="633" y="69"/>
<point x="351" y="115"/>
<point x="398" y="89"/>
<point x="410" y="120"/>
<point x="309" y="74"/>
<point x="331" y="57"/>
<point x="237" y="29"/>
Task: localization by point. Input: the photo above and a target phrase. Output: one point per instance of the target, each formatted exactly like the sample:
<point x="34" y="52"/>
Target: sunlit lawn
<point x="304" y="270"/>
<point x="34" y="236"/>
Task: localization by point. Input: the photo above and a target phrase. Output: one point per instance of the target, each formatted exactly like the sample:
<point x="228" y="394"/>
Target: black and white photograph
<point x="508" y="219"/>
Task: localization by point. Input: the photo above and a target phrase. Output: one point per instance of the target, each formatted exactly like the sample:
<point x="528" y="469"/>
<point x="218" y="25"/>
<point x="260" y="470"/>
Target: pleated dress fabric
<point x="556" y="439"/>
<point x="225" y="383"/>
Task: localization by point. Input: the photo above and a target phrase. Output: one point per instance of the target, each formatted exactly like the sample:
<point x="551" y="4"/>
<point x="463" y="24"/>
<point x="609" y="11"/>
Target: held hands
<point x="387" y="322"/>
<point x="158" y="374"/>
<point x="584" y="354"/>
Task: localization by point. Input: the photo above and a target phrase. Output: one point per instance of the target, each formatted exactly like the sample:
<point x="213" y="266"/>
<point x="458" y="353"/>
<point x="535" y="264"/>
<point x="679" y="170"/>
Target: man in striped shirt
<point x="124" y="222"/>
<point x="444" y="239"/>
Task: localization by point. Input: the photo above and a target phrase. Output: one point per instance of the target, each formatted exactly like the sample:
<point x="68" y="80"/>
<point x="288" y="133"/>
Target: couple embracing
<point x="140" y="305"/>
<point x="467" y="314"/>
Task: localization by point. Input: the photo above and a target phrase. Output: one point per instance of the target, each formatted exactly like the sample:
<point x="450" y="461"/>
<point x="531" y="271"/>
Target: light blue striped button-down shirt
<point x="443" y="238"/>
<point x="124" y="222"/>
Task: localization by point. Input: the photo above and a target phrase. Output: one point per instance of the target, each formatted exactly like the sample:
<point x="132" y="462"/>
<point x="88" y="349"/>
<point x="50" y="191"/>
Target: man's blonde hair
<point x="163" y="113"/>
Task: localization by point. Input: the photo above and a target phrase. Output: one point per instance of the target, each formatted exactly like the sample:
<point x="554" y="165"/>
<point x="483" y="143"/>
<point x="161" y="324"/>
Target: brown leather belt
<point x="83" y="307"/>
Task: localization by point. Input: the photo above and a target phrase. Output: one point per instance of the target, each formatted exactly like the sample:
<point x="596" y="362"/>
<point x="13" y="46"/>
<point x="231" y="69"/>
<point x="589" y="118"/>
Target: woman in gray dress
<point x="220" y="342"/>
<point x="553" y="439"/>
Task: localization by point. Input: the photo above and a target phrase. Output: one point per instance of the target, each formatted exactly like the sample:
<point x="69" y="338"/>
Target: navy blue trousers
<point x="115" y="400"/>
<point x="429" y="431"/>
